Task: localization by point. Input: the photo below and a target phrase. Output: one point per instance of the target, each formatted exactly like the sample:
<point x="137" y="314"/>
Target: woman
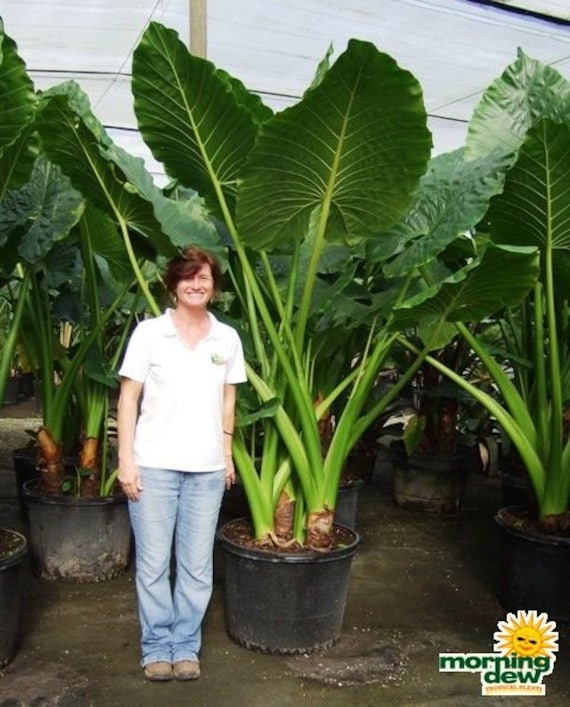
<point x="175" y="459"/>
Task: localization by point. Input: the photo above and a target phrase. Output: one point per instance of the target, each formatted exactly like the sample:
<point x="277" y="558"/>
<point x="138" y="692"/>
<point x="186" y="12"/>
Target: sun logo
<point x="526" y="634"/>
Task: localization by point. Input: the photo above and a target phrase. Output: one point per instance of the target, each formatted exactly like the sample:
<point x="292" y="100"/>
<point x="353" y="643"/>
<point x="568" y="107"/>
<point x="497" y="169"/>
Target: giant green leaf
<point x="113" y="180"/>
<point x="534" y="208"/>
<point x="17" y="108"/>
<point x="17" y="160"/>
<point x="197" y="120"/>
<point x="452" y="198"/>
<point x="351" y="151"/>
<point x="17" y="97"/>
<point x="526" y="92"/>
<point x="501" y="277"/>
<point x="105" y="244"/>
<point x="43" y="211"/>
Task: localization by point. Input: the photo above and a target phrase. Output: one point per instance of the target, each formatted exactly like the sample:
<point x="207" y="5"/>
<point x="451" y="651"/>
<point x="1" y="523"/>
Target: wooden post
<point x="198" y="27"/>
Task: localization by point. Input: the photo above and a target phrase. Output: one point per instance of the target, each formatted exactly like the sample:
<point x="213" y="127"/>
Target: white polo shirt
<point x="180" y="421"/>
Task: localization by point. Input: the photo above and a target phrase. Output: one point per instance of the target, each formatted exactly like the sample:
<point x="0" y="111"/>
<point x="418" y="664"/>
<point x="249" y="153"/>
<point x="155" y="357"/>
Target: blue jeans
<point x="184" y="506"/>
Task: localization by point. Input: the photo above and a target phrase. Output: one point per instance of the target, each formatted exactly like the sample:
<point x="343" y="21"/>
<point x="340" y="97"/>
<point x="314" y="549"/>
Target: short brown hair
<point x="187" y="264"/>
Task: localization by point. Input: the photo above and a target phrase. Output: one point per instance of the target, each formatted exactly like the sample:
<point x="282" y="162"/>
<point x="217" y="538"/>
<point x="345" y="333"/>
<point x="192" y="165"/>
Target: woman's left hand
<point x="230" y="473"/>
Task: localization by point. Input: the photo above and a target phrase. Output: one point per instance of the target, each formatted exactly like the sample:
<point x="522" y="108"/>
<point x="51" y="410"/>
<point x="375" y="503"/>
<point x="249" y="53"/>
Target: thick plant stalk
<point x="319" y="529"/>
<point x="325" y="426"/>
<point x="283" y="518"/>
<point x="555" y="523"/>
<point x="90" y="468"/>
<point x="50" y="462"/>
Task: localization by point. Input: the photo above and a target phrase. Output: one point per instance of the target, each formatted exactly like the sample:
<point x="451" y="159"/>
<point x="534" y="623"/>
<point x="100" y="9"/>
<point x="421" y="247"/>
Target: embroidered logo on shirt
<point x="218" y="359"/>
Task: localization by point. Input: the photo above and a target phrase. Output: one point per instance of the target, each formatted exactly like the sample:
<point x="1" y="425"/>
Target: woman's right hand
<point x="130" y="480"/>
<point x="127" y="409"/>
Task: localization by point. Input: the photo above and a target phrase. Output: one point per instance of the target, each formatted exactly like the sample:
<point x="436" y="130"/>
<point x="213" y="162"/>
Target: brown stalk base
<point x="552" y="525"/>
<point x="90" y="469"/>
<point x="240" y="533"/>
<point x="319" y="530"/>
<point x="50" y="463"/>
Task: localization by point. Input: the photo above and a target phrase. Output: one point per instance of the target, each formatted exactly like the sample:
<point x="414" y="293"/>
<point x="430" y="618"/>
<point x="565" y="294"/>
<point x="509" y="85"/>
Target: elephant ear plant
<point x="332" y="171"/>
<point x="16" y="116"/>
<point x="337" y="167"/>
<point x="524" y="119"/>
<point x="47" y="258"/>
<point x="66" y="310"/>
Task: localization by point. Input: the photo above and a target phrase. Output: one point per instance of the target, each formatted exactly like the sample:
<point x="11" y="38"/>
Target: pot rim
<point x="33" y="495"/>
<point x="350" y="485"/>
<point x="463" y="451"/>
<point x="17" y="555"/>
<point x="270" y="556"/>
<point x="530" y="535"/>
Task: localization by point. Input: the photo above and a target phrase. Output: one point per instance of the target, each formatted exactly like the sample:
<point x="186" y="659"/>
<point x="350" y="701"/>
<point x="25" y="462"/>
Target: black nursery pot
<point x="347" y="503"/>
<point x="77" y="539"/>
<point x="433" y="483"/>
<point x="10" y="592"/>
<point x="25" y="469"/>
<point x="24" y="461"/>
<point x="281" y="603"/>
<point x="11" y="392"/>
<point x="535" y="569"/>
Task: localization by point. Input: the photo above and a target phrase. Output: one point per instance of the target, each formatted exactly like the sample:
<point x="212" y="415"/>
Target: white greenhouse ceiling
<point x="454" y="47"/>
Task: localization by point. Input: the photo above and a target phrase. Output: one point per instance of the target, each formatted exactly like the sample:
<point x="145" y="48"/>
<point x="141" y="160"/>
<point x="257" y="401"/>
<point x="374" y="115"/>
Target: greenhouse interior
<point x="347" y="226"/>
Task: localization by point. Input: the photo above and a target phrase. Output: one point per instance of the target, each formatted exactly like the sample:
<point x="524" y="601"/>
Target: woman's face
<point x="196" y="291"/>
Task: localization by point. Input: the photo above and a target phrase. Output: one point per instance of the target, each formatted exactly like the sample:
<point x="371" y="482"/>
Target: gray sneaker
<point x="159" y="671"/>
<point x="186" y="670"/>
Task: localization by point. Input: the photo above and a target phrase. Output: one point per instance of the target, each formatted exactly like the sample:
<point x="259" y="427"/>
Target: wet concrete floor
<point x="420" y="585"/>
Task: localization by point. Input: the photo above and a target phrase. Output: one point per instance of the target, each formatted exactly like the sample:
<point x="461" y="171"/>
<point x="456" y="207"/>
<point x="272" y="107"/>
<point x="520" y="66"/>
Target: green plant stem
<point x="142" y="283"/>
<point x="9" y="348"/>
<point x="555" y="487"/>
<point x="38" y="310"/>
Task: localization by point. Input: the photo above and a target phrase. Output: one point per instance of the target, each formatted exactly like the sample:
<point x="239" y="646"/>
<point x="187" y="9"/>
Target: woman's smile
<point x="197" y="289"/>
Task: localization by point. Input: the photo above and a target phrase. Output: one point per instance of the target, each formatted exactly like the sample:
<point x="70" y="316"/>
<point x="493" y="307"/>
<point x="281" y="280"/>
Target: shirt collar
<point x="167" y="325"/>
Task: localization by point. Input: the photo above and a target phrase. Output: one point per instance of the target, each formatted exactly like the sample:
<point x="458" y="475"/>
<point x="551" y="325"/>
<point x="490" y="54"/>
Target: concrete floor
<point x="420" y="585"/>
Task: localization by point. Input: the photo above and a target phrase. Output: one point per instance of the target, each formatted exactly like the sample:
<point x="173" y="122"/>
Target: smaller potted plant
<point x="523" y="119"/>
<point x="13" y="545"/>
<point x="437" y="451"/>
<point x="76" y="497"/>
<point x="62" y="312"/>
<point x="13" y="114"/>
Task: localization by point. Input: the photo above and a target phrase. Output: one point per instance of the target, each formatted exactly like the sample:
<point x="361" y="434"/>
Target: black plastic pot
<point x="361" y="461"/>
<point x="10" y="593"/>
<point x="434" y="483"/>
<point x="25" y="469"/>
<point x="26" y="387"/>
<point x="234" y="504"/>
<point x="77" y="539"/>
<point x="516" y="490"/>
<point x="11" y="391"/>
<point x="24" y="461"/>
<point x="535" y="570"/>
<point x="347" y="503"/>
<point x="282" y="603"/>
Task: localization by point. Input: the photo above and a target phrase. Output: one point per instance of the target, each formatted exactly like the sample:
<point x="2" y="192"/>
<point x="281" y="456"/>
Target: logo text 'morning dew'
<point x="501" y="675"/>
